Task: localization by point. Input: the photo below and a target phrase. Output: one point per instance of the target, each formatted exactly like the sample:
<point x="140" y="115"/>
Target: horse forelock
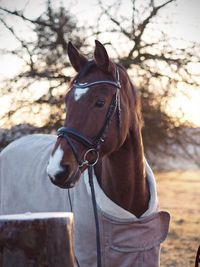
<point x="87" y="68"/>
<point x="90" y="67"/>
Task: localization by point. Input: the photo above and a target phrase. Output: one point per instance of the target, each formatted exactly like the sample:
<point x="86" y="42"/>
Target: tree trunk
<point x="37" y="240"/>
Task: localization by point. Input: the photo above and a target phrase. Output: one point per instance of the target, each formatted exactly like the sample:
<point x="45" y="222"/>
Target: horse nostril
<point x="61" y="175"/>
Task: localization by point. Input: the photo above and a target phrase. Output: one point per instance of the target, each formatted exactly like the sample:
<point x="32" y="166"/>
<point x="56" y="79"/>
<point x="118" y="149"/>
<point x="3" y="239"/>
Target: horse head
<point x="101" y="108"/>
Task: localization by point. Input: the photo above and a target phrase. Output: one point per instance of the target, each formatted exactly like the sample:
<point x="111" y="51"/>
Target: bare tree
<point x="157" y="67"/>
<point x="45" y="60"/>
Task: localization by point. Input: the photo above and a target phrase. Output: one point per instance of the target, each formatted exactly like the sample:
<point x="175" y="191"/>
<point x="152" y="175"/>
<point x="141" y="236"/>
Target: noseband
<point x="70" y="134"/>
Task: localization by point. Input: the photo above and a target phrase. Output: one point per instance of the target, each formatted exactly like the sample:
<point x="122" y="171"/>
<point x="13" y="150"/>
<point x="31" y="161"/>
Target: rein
<point x="93" y="146"/>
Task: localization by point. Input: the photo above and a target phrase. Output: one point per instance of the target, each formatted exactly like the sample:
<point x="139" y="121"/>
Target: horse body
<point x="121" y="151"/>
<point x="131" y="228"/>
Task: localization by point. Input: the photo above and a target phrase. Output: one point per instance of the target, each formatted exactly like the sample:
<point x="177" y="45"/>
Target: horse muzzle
<point x="65" y="178"/>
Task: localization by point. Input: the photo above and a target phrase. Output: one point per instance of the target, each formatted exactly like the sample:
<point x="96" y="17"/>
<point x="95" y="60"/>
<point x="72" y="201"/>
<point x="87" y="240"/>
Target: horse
<point x="102" y="133"/>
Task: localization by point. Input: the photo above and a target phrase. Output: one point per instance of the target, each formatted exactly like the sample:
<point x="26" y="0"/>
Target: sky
<point x="184" y="16"/>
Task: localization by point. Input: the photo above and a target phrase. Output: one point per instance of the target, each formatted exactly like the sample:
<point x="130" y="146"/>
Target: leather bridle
<point x="93" y="146"/>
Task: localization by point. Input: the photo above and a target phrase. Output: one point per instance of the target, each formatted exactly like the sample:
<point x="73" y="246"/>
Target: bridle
<point x="93" y="146"/>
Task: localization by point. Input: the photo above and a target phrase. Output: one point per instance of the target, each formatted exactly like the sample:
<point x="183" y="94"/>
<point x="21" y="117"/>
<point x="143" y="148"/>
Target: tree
<point x="157" y="67"/>
<point x="160" y="70"/>
<point x="45" y="60"/>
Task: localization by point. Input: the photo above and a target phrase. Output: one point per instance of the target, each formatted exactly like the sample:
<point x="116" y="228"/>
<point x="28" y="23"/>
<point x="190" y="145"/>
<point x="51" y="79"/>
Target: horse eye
<point x="100" y="103"/>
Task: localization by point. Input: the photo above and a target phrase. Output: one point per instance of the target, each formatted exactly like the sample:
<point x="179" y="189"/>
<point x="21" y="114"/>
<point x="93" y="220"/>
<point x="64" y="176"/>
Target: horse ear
<point x="77" y="60"/>
<point x="101" y="57"/>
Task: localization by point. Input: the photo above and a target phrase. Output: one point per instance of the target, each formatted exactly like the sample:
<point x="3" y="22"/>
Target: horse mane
<point x="136" y="97"/>
<point x="136" y="126"/>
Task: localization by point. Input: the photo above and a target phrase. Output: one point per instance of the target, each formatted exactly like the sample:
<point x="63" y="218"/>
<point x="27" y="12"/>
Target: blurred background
<point x="158" y="42"/>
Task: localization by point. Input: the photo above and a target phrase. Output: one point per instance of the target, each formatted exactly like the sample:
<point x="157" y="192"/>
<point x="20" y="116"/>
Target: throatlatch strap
<point x="94" y="203"/>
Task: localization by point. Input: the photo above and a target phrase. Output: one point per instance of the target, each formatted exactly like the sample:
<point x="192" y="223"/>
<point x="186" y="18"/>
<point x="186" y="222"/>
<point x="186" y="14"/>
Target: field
<point x="179" y="193"/>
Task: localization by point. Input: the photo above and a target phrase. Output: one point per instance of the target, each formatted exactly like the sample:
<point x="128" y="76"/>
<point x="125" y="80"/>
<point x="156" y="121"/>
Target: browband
<point x="89" y="84"/>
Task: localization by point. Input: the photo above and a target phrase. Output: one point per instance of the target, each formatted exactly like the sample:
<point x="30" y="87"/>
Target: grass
<point x="179" y="193"/>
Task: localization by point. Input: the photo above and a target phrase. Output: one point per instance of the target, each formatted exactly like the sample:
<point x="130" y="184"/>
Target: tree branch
<point x="20" y="15"/>
<point x="24" y="45"/>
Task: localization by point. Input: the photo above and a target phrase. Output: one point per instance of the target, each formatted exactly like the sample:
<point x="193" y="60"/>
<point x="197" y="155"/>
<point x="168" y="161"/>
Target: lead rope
<point x="94" y="203"/>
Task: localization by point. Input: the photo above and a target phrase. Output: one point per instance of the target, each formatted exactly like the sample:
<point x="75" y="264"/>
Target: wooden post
<point x="37" y="240"/>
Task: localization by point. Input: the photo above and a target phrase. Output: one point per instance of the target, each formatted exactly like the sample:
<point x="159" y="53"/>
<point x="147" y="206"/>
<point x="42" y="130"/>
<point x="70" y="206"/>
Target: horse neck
<point x="121" y="176"/>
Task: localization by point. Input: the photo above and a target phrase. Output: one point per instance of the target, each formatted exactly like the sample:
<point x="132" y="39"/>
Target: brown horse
<point x="102" y="129"/>
<point x="102" y="89"/>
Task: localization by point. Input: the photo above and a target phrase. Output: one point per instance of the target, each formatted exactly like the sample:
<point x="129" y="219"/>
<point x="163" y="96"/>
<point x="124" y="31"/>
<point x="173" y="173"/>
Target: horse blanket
<point x="126" y="241"/>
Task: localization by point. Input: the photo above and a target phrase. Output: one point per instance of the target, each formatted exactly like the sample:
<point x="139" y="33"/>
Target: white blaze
<point x="79" y="92"/>
<point x="54" y="166"/>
